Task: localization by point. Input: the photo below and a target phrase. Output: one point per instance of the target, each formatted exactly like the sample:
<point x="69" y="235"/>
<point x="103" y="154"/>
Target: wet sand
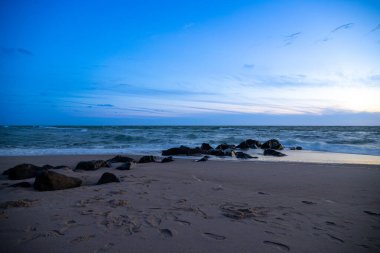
<point x="184" y="206"/>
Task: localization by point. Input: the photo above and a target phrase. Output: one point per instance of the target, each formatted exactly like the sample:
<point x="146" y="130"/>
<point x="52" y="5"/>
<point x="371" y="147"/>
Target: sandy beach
<point x="184" y="206"/>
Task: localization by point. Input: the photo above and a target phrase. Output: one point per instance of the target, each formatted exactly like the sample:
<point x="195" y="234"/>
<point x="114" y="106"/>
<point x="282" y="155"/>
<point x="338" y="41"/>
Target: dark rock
<point x="47" y="167"/>
<point x="203" y="159"/>
<point x="108" y="178"/>
<point x="298" y="148"/>
<point x="167" y="159"/>
<point x="120" y="159"/>
<point x="147" y="159"/>
<point x="127" y="166"/>
<point x="372" y="213"/>
<point x="273" y="152"/>
<point x="206" y="146"/>
<point x="243" y="155"/>
<point x="60" y="167"/>
<point x="22" y="171"/>
<point x="224" y="146"/>
<point x="216" y="152"/>
<point x="51" y="181"/>
<point x="292" y="148"/>
<point x="195" y="151"/>
<point x="249" y="144"/>
<point x="272" y="144"/>
<point x="182" y="150"/>
<point x="92" y="165"/>
<point x="307" y="202"/>
<point x="21" y="184"/>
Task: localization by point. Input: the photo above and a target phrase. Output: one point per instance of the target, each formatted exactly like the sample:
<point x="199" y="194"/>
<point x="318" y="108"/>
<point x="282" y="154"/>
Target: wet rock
<point x="203" y="159"/>
<point x="147" y="159"/>
<point x="249" y="144"/>
<point x="60" y="167"/>
<point x="224" y="146"/>
<point x="242" y="155"/>
<point x="120" y="159"/>
<point x="272" y="144"/>
<point x="182" y="150"/>
<point x="22" y="171"/>
<point x="47" y="167"/>
<point x="92" y="165"/>
<point x="108" y="178"/>
<point x="51" y="181"/>
<point x="127" y="166"/>
<point x="167" y="159"/>
<point x="216" y="152"/>
<point x="21" y="184"/>
<point x="206" y="147"/>
<point x="272" y="152"/>
<point x="296" y="148"/>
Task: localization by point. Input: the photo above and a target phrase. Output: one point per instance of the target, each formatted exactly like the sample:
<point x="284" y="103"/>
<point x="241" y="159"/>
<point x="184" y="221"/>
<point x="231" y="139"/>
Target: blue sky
<point x="190" y="62"/>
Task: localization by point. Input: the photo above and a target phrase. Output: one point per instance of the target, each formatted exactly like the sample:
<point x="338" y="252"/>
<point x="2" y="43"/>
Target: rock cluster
<point x="225" y="149"/>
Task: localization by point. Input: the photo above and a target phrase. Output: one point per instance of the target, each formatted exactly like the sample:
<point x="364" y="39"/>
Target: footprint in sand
<point x="335" y="238"/>
<point x="308" y="202"/>
<point x="214" y="236"/>
<point x="105" y="247"/>
<point x="167" y="232"/>
<point x="82" y="238"/>
<point x="277" y="245"/>
<point x="153" y="221"/>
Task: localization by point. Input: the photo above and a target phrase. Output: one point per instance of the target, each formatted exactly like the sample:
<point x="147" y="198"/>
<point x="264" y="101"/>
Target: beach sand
<point x="184" y="206"/>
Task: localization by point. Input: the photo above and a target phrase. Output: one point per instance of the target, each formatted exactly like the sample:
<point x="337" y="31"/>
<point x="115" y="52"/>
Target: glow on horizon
<point x="127" y="63"/>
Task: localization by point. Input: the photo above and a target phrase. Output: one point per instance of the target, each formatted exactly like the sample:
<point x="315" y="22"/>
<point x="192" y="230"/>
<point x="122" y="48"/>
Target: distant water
<point x="39" y="140"/>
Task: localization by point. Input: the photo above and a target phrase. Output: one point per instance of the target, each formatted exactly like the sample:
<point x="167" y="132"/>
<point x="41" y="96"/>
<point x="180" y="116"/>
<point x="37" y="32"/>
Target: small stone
<point x="147" y="159"/>
<point x="108" y="178"/>
<point x="167" y="159"/>
<point x="272" y="152"/>
<point x="127" y="166"/>
<point x="92" y="165"/>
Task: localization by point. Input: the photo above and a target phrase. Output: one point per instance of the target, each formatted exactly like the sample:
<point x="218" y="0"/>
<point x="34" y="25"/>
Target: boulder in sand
<point x="92" y="165"/>
<point x="242" y="155"/>
<point x="206" y="147"/>
<point x="51" y="181"/>
<point x="273" y="153"/>
<point x="147" y="159"/>
<point x="22" y="171"/>
<point x="120" y="159"/>
<point x="108" y="178"/>
<point x="127" y="166"/>
<point x="225" y="146"/>
<point x="249" y="144"/>
<point x="272" y="144"/>
<point x="167" y="159"/>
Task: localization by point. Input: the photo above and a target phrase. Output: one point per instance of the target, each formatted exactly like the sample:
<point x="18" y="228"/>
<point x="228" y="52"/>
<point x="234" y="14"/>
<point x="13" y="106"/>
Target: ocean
<point x="51" y="140"/>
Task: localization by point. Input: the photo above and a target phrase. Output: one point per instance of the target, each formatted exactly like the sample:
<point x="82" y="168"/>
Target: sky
<point x="110" y="62"/>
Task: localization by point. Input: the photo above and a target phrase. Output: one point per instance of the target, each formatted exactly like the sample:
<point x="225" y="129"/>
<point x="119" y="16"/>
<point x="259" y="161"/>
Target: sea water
<point x="49" y="140"/>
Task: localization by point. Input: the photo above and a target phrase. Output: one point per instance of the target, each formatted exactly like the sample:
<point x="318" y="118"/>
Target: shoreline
<point x="298" y="156"/>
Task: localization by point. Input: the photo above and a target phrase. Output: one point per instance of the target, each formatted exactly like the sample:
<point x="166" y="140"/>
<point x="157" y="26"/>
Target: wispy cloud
<point x="376" y="28"/>
<point x="343" y="27"/>
<point x="337" y="29"/>
<point x="249" y="66"/>
<point x="289" y="39"/>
